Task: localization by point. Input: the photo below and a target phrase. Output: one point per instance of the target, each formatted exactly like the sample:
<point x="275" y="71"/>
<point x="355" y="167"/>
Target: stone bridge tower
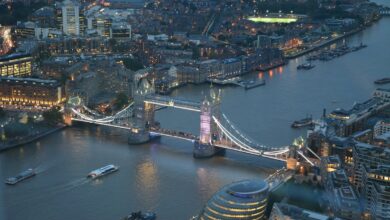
<point x="143" y="112"/>
<point x="208" y="132"/>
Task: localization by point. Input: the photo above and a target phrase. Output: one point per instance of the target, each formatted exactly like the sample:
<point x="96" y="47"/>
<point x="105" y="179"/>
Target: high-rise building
<point x="120" y="31"/>
<point x="370" y="156"/>
<point x="70" y="12"/>
<point x="371" y="176"/>
<point x="239" y="200"/>
<point x="376" y="190"/>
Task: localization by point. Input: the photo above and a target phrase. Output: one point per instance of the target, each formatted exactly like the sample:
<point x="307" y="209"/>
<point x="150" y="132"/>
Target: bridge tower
<point x="204" y="147"/>
<point x="143" y="112"/>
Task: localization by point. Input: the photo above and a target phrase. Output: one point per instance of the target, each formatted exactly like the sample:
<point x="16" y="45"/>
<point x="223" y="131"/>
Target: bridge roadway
<point x="173" y="102"/>
<point x="230" y="136"/>
<point x="172" y="133"/>
<point x="278" y="178"/>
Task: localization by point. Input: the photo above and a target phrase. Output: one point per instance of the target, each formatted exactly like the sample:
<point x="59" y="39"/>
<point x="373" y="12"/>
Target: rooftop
<point x="29" y="81"/>
<point x="373" y="151"/>
<point x="247" y="188"/>
<point x="13" y="56"/>
<point x="295" y="212"/>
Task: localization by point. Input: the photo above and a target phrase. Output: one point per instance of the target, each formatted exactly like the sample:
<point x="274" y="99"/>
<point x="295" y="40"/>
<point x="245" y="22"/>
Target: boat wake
<point x="69" y="186"/>
<point x="51" y="191"/>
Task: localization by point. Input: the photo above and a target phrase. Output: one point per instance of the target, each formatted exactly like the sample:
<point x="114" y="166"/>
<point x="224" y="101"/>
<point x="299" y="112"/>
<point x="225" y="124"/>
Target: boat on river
<point x="20" y="177"/>
<point x="103" y="171"/>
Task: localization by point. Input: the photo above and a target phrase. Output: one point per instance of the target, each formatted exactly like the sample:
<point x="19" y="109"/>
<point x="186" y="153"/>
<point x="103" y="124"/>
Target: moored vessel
<point x="305" y="66"/>
<point x="302" y="123"/>
<point x="252" y="84"/>
<point x="382" y="81"/>
<point x="103" y="171"/>
<point x="20" y="177"/>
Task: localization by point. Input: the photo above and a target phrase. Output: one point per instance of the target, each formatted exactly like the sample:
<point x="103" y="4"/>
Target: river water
<point x="162" y="176"/>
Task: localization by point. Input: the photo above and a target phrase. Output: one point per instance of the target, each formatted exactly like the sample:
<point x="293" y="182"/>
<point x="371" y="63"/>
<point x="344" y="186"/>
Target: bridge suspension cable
<point x="123" y="113"/>
<point x="247" y="145"/>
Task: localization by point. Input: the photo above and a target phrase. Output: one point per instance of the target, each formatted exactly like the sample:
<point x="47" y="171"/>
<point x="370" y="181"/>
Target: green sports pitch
<point x="272" y="19"/>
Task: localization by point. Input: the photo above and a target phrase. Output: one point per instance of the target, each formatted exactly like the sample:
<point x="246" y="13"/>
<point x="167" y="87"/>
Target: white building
<point x="381" y="127"/>
<point x="70" y="17"/>
<point x="383" y="94"/>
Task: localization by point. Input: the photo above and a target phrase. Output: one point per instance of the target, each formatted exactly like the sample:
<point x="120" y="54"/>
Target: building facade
<point x="371" y="177"/>
<point x="376" y="190"/>
<point x="381" y="127"/>
<point x="17" y="65"/>
<point x="70" y="12"/>
<point x="36" y="94"/>
<point x="239" y="200"/>
<point x="284" y="211"/>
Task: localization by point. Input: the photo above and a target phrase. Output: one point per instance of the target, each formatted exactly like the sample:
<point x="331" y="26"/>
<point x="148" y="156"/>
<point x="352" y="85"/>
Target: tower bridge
<point x="172" y="102"/>
<point x="217" y="132"/>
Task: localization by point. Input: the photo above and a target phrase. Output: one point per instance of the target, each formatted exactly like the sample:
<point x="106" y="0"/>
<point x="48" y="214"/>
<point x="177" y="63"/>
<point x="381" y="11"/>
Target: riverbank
<point x="324" y="44"/>
<point x="28" y="139"/>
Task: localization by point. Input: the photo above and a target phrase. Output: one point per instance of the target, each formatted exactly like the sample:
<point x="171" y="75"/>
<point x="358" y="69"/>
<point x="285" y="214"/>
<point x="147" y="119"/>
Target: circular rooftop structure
<point x="245" y="199"/>
<point x="247" y="188"/>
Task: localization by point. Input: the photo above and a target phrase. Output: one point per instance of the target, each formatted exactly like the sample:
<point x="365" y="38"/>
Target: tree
<point x="121" y="100"/>
<point x="132" y="64"/>
<point x="16" y="129"/>
<point x="53" y="116"/>
<point x="3" y="114"/>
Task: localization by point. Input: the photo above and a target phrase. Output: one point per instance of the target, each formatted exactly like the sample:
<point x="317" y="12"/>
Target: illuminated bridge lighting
<point x="230" y="137"/>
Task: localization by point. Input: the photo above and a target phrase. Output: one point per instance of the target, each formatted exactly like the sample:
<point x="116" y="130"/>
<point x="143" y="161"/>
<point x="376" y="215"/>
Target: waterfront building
<point x="70" y="13"/>
<point x="383" y="94"/>
<point x="239" y="200"/>
<point x="21" y="93"/>
<point x="231" y="67"/>
<point x="370" y="156"/>
<point x="381" y="127"/>
<point x="283" y="211"/>
<point x="376" y="190"/>
<point x="212" y="68"/>
<point x="17" y="65"/>
<point x="189" y="74"/>
<point x="347" y="122"/>
<point x="262" y="59"/>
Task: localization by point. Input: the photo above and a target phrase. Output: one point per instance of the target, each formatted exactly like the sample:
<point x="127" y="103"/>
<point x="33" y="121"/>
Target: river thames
<point x="162" y="176"/>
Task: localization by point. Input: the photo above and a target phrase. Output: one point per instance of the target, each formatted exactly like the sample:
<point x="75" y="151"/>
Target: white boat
<point x="20" y="177"/>
<point x="103" y="171"/>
